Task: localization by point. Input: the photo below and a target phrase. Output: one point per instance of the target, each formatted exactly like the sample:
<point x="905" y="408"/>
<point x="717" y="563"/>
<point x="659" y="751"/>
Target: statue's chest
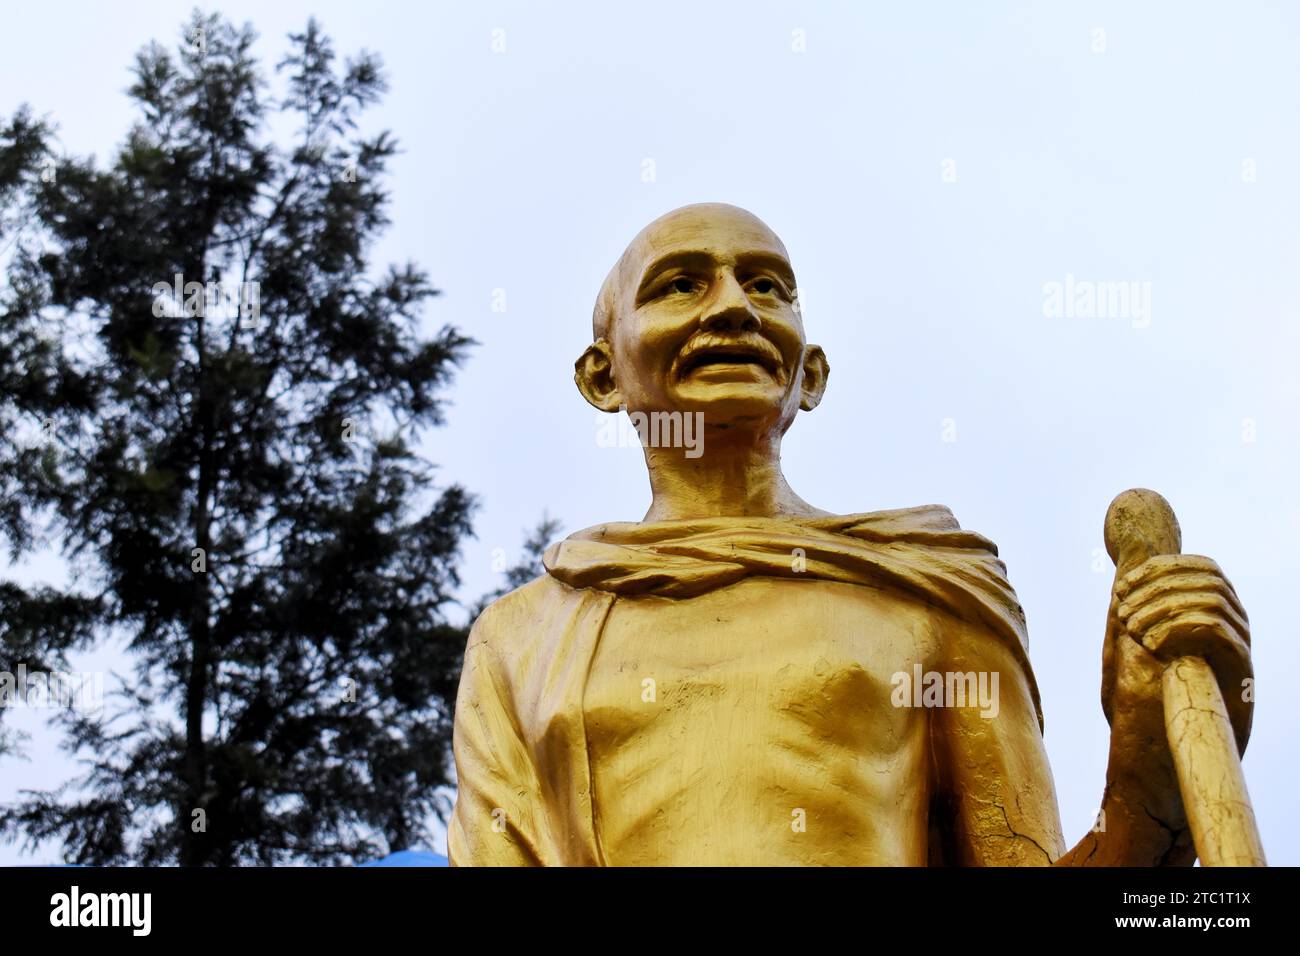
<point x="764" y="659"/>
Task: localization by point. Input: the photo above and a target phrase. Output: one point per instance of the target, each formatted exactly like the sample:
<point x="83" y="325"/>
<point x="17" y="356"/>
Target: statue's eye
<point x="683" y="285"/>
<point x="763" y="286"/>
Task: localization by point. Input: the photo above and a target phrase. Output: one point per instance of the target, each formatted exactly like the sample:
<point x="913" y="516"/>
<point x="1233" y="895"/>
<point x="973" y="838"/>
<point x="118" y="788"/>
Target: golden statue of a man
<point x="742" y="678"/>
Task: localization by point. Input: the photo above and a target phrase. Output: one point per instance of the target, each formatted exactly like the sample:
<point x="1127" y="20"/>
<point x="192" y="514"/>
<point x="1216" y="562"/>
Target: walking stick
<point x="1140" y="525"/>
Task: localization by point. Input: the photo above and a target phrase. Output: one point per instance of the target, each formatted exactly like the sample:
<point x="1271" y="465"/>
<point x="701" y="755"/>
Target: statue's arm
<point x="495" y="821"/>
<point x="1167" y="606"/>
<point x="993" y="799"/>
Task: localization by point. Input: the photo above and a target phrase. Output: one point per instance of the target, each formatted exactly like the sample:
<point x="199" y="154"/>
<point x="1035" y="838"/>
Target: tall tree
<point x="210" y="398"/>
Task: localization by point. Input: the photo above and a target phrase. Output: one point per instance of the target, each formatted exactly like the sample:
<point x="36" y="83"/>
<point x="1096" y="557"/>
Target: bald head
<point x="717" y="326"/>
<point x="696" y="228"/>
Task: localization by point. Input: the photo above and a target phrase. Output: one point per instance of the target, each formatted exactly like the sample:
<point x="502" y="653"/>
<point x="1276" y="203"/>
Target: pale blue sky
<point x="523" y="171"/>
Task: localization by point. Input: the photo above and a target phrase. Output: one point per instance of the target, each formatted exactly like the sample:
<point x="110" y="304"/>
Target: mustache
<point x="710" y="345"/>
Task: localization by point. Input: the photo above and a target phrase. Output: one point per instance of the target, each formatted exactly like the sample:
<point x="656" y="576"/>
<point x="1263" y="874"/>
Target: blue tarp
<point x="410" y="858"/>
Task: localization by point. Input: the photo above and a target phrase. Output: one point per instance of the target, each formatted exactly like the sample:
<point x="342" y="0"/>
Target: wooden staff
<point x="1140" y="525"/>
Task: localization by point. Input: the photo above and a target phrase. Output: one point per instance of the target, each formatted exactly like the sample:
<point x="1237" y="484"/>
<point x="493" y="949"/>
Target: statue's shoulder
<point x="513" y="604"/>
<point x="526" y="633"/>
<point x="519" y="613"/>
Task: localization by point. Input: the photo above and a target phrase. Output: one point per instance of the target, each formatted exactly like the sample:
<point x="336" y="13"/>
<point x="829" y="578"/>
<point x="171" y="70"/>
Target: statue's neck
<point x="735" y="476"/>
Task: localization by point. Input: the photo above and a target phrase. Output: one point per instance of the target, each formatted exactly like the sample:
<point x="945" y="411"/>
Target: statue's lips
<point x="728" y="356"/>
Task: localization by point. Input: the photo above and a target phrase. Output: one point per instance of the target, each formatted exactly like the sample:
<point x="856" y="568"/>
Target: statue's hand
<point x="1167" y="607"/>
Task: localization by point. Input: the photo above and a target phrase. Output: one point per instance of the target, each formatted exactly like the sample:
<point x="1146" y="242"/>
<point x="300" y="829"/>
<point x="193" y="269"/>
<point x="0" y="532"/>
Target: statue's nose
<point x="729" y="308"/>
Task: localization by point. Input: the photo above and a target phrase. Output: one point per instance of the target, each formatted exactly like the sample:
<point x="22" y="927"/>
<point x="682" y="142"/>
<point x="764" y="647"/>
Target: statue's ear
<point x="594" y="374"/>
<point x="815" y="372"/>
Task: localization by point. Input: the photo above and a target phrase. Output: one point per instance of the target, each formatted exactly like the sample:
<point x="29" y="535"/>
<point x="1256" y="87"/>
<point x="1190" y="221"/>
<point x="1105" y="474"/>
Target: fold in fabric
<point x="920" y="551"/>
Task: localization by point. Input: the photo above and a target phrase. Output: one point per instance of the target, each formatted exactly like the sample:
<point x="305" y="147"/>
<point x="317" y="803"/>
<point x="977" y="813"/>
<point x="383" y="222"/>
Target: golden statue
<point x="744" y="679"/>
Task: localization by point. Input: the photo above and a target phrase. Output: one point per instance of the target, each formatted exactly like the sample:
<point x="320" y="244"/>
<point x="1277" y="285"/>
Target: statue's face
<point x="708" y="321"/>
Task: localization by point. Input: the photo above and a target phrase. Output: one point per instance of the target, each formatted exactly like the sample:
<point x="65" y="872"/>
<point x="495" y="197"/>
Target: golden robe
<point x="556" y="767"/>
